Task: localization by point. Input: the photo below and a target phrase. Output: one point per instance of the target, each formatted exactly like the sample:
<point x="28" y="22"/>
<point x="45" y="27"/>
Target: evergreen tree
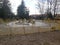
<point x="22" y="11"/>
<point x="5" y="10"/>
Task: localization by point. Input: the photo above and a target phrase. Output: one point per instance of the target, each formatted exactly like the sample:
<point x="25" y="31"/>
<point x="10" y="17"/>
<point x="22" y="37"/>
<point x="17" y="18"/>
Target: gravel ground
<point x="45" y="38"/>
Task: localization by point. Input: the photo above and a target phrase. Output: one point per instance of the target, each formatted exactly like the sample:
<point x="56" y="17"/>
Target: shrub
<point x="53" y="28"/>
<point x="1" y="21"/>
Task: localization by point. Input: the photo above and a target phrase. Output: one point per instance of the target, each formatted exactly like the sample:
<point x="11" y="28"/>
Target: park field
<point x="42" y="38"/>
<point x="48" y="34"/>
<point x="40" y="26"/>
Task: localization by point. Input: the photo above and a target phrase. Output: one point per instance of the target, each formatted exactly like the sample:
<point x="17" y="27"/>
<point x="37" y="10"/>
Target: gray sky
<point x="30" y="4"/>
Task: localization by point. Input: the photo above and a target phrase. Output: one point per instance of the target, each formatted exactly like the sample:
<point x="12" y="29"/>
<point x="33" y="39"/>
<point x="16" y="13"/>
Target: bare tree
<point x="55" y="5"/>
<point x="40" y="6"/>
<point x="52" y="6"/>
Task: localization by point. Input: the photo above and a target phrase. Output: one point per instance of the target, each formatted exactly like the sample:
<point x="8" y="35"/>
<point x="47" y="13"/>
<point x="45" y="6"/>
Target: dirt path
<point x="46" y="38"/>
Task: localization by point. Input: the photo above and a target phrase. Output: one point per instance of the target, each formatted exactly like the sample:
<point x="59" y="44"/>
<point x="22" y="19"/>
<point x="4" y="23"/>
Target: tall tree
<point x="22" y="11"/>
<point x="40" y="6"/>
<point x="49" y="9"/>
<point x="1" y="11"/>
<point x="5" y="9"/>
<point x="53" y="5"/>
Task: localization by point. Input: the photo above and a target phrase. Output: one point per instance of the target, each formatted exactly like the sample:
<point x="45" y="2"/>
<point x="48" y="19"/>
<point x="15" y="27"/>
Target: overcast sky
<point x="30" y="4"/>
